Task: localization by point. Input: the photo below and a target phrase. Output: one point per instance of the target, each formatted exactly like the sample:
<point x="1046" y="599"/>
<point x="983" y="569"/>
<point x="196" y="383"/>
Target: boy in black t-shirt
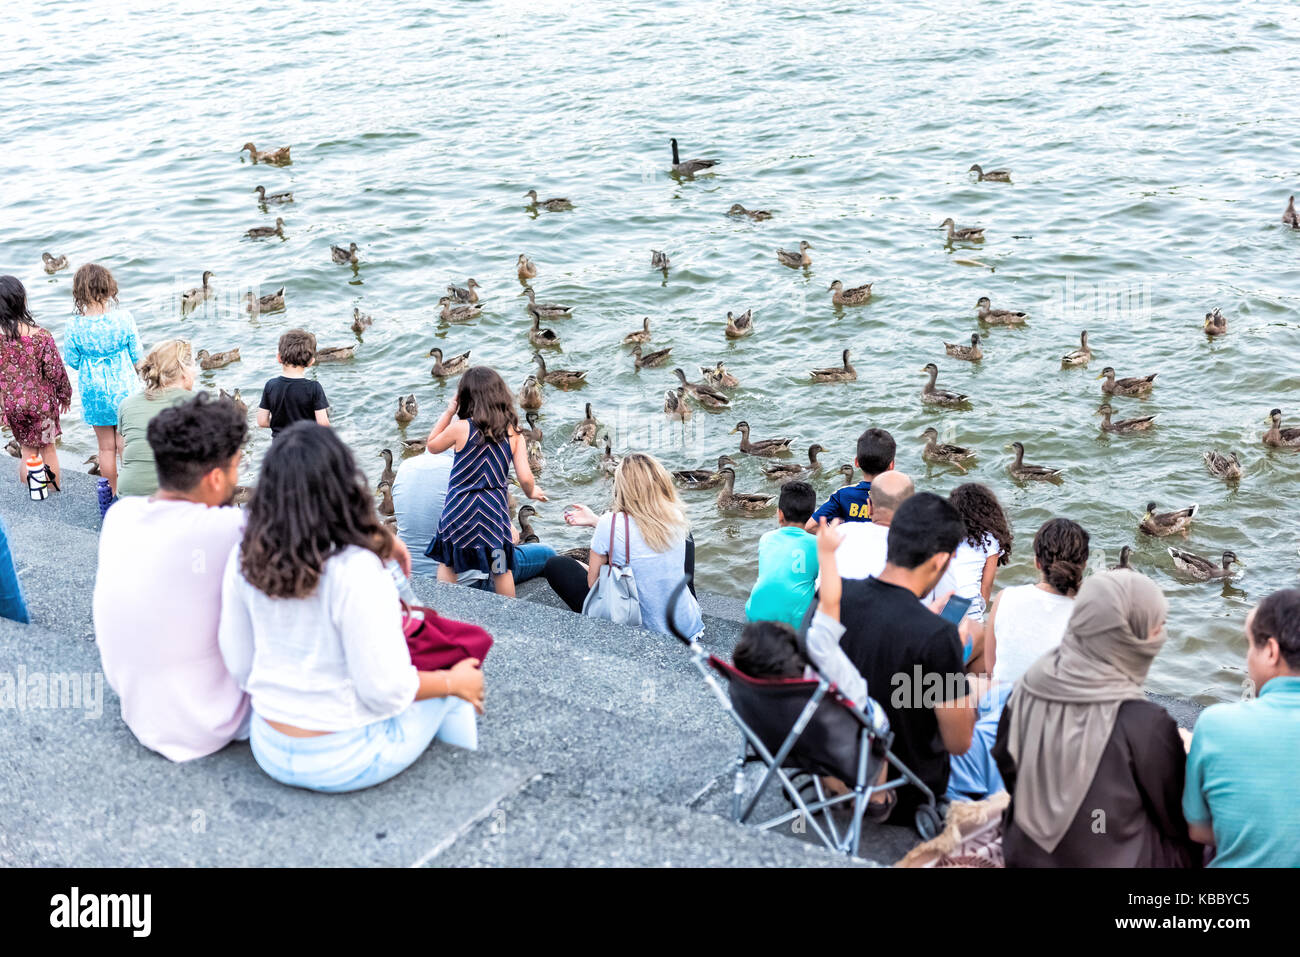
<point x="289" y="397"/>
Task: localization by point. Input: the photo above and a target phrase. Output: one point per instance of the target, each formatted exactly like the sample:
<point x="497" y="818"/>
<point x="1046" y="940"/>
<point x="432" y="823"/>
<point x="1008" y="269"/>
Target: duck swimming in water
<point x="844" y="373"/>
<point x="556" y="205"/>
<point x="757" y="215"/>
<point x="1080" y="356"/>
<point x="966" y="234"/>
<point x="278" y="157"/>
<point x="1135" y="385"/>
<point x="997" y="317"/>
<point x="991" y="176"/>
<point x="796" y="260"/>
<point x="1215" y="323"/>
<point x="445" y="368"/>
<point x="525" y="268"/>
<point x="1223" y="465"/>
<point x="344" y="256"/>
<point x="740" y="326"/>
<point x="1289" y="216"/>
<point x="969" y="353"/>
<point x="1030" y="473"/>
<point x="856" y="296"/>
<point x="1161" y="524"/>
<point x="263" y="232"/>
<point x="1202" y="569"/>
<point x="54" y="263"/>
<point x="1279" y="437"/>
<point x="935" y="396"/>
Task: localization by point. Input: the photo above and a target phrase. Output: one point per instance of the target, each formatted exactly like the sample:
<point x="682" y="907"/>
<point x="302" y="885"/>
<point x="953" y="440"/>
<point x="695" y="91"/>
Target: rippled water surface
<point x="1152" y="150"/>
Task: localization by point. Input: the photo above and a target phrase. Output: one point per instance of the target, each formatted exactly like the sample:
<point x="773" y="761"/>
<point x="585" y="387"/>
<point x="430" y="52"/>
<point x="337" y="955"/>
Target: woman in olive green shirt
<point x="168" y="372"/>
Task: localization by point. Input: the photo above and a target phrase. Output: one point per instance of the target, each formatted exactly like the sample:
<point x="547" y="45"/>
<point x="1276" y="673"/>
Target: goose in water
<point x="689" y="167"/>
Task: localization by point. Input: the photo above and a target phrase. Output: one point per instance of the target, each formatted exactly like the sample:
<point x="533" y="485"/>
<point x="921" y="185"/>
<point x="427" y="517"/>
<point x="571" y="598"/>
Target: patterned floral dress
<point x="104" y="350"/>
<point x="33" y="386"/>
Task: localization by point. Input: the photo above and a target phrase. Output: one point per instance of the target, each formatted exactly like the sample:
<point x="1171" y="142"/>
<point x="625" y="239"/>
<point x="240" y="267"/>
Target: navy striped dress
<point x="474" y="531"/>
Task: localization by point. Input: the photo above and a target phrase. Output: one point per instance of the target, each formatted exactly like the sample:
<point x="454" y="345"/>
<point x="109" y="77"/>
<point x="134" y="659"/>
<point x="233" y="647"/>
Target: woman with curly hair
<point x="311" y="628"/>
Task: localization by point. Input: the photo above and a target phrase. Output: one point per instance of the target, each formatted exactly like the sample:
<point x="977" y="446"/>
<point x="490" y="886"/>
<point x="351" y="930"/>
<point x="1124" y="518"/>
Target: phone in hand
<point x="955" y="610"/>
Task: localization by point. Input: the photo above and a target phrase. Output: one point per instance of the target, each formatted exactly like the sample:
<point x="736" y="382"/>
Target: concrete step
<point x="589" y="826"/>
<point x="92" y="796"/>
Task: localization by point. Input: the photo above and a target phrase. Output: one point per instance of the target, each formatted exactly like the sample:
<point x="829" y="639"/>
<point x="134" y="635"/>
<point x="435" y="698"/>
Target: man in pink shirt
<point x="158" y="586"/>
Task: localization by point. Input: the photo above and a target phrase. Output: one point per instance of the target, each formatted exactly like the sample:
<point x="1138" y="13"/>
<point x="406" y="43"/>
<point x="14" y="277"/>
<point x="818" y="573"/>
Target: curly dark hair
<point x="194" y="437"/>
<point x="1061" y="547"/>
<point x="312" y="502"/>
<point x="93" y="283"/>
<point x="13" y="306"/>
<point x="484" y="397"/>
<point x="983" y="515"/>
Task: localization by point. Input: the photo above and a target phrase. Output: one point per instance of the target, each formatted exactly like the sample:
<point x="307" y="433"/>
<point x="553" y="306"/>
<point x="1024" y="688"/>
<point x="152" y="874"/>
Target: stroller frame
<point x="752" y="749"/>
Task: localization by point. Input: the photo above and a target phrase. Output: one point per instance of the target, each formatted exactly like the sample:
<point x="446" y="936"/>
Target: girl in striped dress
<point x="475" y="531"/>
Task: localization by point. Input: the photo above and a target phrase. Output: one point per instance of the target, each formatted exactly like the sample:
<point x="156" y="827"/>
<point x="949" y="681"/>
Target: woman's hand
<point x="580" y="515"/>
<point x="537" y="495"/>
<point x="453" y="404"/>
<point x="466" y="681"/>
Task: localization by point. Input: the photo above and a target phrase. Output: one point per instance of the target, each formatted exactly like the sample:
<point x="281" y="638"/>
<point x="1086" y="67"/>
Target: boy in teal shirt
<point x="1243" y="772"/>
<point x="787" y="561"/>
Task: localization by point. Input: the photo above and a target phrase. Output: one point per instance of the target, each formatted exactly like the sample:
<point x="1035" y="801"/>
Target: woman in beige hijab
<point x="1094" y="769"/>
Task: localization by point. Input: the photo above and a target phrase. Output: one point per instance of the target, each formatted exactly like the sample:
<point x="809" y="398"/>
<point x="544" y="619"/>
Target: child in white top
<point x="987" y="545"/>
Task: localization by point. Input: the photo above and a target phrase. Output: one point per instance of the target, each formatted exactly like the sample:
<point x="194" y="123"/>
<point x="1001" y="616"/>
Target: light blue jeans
<point x="366" y="756"/>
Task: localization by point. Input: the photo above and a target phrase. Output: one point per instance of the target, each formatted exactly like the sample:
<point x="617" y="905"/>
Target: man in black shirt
<point x="290" y="397"/>
<point x="910" y="656"/>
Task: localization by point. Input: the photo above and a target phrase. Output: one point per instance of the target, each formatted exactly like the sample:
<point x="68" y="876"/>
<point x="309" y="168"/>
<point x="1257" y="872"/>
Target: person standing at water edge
<point x="168" y="372"/>
<point x="1243" y="769"/>
<point x="103" y="345"/>
<point x="34" y="386"/>
<point x="851" y="503"/>
<point x="419" y="493"/>
<point x="291" y="397"/>
<point x="475" y="529"/>
<point x="158" y="586"/>
<point x="311" y="628"/>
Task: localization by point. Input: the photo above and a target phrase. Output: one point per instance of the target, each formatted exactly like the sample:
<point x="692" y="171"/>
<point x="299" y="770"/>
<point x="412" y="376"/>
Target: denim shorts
<point x="365" y="756"/>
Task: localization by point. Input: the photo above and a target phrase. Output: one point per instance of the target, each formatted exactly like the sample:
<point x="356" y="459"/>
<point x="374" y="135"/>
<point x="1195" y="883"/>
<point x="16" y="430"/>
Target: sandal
<point x="879" y="811"/>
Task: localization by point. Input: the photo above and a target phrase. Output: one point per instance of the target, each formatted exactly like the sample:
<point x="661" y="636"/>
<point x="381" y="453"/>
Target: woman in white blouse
<point x="311" y="628"/>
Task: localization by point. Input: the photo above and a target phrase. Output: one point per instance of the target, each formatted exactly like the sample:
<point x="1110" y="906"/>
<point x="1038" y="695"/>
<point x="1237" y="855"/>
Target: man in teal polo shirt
<point x="1242" y="791"/>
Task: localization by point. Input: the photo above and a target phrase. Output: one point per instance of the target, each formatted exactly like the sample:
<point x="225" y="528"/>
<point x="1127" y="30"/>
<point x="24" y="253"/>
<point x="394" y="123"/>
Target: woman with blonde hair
<point x="168" y="372"/>
<point x="647" y="531"/>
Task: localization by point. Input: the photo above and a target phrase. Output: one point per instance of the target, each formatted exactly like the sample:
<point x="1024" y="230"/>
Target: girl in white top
<point x="1027" y="621"/>
<point x="987" y="545"/>
<point x="311" y="628"/>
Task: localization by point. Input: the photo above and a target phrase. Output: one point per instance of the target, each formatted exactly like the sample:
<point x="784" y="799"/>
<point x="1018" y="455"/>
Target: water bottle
<point x="105" y="496"/>
<point x="403" y="583"/>
<point x="38" y="478"/>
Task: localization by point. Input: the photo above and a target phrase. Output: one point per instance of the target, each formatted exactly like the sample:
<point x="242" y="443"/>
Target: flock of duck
<point x="461" y="304"/>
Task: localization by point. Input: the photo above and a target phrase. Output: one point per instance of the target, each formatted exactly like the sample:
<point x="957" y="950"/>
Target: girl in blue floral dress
<point x="103" y="345"/>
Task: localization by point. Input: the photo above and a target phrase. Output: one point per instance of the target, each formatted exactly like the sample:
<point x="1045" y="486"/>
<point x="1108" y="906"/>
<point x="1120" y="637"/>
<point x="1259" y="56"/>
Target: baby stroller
<point x="805" y="729"/>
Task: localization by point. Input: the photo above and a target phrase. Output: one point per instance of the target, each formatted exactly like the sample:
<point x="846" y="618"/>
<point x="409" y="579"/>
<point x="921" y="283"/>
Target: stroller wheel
<point x="928" y="822"/>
